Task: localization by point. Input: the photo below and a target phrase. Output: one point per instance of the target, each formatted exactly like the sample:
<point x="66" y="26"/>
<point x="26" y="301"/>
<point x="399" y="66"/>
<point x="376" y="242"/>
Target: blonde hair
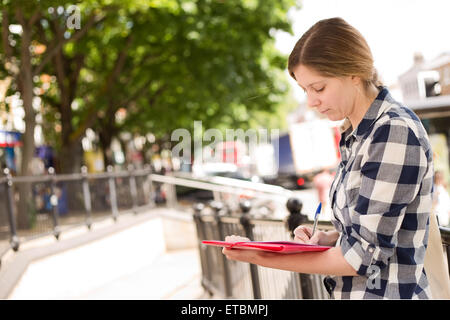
<point x="333" y="48"/>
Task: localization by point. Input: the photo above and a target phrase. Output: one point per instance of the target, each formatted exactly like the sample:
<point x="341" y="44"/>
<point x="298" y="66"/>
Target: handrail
<point x="229" y="188"/>
<point x="76" y="176"/>
<point x="112" y="201"/>
<point x="215" y="184"/>
<point x="254" y="186"/>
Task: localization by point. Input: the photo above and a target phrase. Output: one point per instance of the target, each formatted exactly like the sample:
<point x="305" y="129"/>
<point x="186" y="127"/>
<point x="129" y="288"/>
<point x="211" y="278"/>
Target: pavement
<point x="132" y="263"/>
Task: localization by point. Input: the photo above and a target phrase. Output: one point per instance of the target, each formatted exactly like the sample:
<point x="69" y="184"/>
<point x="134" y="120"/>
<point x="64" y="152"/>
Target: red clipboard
<point x="273" y="246"/>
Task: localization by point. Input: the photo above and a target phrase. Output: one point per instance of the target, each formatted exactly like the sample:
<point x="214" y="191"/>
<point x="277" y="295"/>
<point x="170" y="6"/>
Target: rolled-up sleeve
<point x="391" y="174"/>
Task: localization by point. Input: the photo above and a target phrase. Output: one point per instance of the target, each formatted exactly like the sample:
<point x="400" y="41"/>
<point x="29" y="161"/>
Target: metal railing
<point x="53" y="203"/>
<point x="232" y="279"/>
<point x="445" y="235"/>
<point x="58" y="202"/>
<point x="36" y="206"/>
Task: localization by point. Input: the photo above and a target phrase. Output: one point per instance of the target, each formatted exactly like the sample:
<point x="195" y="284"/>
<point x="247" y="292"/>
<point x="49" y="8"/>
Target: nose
<point x="313" y="101"/>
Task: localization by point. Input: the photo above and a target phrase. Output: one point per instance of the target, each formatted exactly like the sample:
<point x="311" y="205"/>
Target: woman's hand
<point x="321" y="238"/>
<point x="234" y="238"/>
<point x="250" y="256"/>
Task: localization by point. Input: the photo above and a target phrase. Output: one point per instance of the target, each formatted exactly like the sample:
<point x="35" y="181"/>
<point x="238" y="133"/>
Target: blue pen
<point x="316" y="218"/>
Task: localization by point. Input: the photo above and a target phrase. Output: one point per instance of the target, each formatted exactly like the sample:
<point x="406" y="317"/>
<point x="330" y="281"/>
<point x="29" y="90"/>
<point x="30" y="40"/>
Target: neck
<point x="362" y="104"/>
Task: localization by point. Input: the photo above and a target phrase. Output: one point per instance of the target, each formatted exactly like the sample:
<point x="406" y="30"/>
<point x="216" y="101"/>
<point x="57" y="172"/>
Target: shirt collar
<point x="375" y="110"/>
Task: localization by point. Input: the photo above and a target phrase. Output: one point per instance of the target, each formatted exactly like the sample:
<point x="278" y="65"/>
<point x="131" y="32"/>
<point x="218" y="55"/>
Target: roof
<point x="431" y="107"/>
<point x="439" y="61"/>
<point x="442" y="59"/>
<point x="430" y="102"/>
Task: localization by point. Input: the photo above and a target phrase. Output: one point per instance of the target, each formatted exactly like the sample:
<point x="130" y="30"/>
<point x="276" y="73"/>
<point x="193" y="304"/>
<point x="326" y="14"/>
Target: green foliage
<point x="166" y="62"/>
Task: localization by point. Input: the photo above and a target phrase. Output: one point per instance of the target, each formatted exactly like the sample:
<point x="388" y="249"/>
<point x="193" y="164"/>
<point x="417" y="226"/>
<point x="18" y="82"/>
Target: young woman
<point x="381" y="195"/>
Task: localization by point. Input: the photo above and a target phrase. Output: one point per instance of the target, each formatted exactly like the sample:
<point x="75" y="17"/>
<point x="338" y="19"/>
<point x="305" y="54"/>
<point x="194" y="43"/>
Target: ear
<point x="355" y="80"/>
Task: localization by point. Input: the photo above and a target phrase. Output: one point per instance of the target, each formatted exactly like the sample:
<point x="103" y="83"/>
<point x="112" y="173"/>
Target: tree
<point x="162" y="63"/>
<point x="66" y="67"/>
<point x="18" y="63"/>
<point x="24" y="65"/>
<point x="165" y="64"/>
<point x="216" y="63"/>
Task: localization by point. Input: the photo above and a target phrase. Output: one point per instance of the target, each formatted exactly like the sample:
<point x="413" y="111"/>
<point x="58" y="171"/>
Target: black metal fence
<point x="232" y="279"/>
<point x="237" y="280"/>
<point x="445" y="235"/>
<point x="36" y="206"/>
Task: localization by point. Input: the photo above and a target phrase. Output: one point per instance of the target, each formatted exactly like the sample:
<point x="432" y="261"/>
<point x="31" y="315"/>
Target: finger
<point x="239" y="255"/>
<point x="308" y="232"/>
<point x="234" y="238"/>
<point x="314" y="240"/>
<point x="299" y="231"/>
<point x="226" y="251"/>
<point x="305" y="229"/>
<point x="302" y="232"/>
<point x="230" y="254"/>
<point x="302" y="239"/>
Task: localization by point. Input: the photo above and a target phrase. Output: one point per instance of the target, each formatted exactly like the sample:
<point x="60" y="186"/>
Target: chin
<point x="334" y="117"/>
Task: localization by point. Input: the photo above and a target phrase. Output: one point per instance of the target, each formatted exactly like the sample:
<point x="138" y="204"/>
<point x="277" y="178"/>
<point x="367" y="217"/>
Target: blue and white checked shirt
<point x="381" y="199"/>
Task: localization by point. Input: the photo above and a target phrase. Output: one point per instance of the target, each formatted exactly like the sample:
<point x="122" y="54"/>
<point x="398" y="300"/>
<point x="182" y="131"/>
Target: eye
<point x="320" y="90"/>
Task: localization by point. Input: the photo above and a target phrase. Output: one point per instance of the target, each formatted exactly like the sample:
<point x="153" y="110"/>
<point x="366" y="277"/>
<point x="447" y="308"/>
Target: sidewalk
<point x="130" y="264"/>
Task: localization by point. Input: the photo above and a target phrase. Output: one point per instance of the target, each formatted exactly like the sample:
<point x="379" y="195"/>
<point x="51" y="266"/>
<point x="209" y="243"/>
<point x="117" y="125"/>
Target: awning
<point x="432" y="107"/>
<point x="10" y="139"/>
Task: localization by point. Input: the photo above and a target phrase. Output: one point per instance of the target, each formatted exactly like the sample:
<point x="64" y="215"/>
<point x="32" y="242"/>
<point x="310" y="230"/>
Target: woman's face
<point x="334" y="97"/>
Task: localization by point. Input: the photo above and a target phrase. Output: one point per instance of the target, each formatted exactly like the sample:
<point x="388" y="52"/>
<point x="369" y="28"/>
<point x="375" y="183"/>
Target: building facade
<point x="426" y="90"/>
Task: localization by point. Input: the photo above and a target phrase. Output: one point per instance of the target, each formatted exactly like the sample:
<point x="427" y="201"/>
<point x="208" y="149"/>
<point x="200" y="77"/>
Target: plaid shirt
<point x="381" y="199"/>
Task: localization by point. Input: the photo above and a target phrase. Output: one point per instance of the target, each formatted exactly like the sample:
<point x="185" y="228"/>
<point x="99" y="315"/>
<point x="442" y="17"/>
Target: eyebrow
<point x="309" y="85"/>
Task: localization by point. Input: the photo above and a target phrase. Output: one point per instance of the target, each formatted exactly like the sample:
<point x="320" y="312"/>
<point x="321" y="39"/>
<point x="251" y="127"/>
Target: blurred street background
<point x="116" y="111"/>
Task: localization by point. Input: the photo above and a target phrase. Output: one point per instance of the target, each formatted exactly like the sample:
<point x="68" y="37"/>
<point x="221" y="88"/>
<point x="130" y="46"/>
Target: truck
<point x="304" y="150"/>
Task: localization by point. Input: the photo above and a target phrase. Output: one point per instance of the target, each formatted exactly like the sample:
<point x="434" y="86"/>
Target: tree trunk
<point x="71" y="154"/>
<point x="105" y="135"/>
<point x="25" y="203"/>
<point x="71" y="157"/>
